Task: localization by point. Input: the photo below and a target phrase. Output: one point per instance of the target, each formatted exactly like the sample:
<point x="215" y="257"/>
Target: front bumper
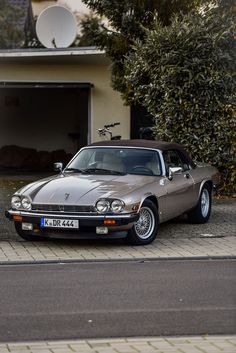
<point x="87" y="224"/>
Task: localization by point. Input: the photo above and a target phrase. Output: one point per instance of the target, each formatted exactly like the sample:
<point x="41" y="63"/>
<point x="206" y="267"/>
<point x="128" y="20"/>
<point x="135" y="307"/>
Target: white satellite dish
<point x="56" y="27"/>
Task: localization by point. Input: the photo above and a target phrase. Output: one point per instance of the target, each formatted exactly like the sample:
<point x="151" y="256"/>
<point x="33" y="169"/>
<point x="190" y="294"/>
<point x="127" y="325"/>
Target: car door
<point x="180" y="188"/>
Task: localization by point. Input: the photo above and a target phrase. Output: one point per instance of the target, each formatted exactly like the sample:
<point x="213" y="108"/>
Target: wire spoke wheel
<point x="145" y="230"/>
<point x="202" y="211"/>
<point x="145" y="225"/>
<point x="205" y="202"/>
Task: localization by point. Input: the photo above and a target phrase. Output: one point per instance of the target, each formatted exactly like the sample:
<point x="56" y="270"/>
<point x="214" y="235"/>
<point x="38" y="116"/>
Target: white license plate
<point x="59" y="223"/>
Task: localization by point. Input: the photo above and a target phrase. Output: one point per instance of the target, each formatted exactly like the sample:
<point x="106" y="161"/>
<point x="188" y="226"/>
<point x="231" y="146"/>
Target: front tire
<point x="26" y="235"/>
<point x="144" y="231"/>
<point x="201" y="213"/>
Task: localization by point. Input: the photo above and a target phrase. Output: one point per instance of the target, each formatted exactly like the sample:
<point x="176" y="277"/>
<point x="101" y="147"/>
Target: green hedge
<point x="184" y="74"/>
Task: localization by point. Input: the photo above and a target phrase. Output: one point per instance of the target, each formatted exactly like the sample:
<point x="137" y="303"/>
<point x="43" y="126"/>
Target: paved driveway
<point x="221" y="224"/>
<point x="175" y="239"/>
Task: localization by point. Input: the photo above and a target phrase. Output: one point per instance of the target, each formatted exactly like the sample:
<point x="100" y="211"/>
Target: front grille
<point x="62" y="208"/>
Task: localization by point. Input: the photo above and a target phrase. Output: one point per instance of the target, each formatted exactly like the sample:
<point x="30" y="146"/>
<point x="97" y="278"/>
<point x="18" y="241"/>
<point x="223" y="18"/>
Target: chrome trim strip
<point x="66" y="215"/>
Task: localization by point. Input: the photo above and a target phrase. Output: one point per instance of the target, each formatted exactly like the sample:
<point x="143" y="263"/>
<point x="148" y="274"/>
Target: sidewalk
<point x="188" y="344"/>
<point x="57" y="251"/>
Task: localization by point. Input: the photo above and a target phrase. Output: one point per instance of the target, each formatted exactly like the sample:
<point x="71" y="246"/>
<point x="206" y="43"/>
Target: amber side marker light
<point x="109" y="221"/>
<point x="17" y="218"/>
<point x="135" y="207"/>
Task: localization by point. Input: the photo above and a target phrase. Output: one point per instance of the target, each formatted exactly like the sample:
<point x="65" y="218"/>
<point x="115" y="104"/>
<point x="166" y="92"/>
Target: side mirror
<point x="174" y="171"/>
<point x="58" y="167"/>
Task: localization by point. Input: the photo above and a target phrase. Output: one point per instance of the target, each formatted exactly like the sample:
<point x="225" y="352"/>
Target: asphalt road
<point x="117" y="299"/>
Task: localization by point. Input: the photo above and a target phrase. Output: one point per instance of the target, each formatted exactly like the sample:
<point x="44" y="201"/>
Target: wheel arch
<point x="198" y="215"/>
<point x="152" y="198"/>
<point x="205" y="182"/>
<point x="146" y="231"/>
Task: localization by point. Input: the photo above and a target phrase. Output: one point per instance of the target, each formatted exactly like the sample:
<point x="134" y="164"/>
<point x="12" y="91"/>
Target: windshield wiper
<point x="76" y="170"/>
<point x="116" y="172"/>
<point x="101" y="171"/>
<point x="93" y="171"/>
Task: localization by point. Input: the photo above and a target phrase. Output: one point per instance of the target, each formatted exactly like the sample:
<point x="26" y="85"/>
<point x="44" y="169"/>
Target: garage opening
<point x="42" y="121"/>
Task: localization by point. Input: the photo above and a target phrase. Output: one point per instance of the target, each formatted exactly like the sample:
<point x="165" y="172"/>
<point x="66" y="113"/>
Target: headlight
<point x="102" y="206"/>
<point x="117" y="206"/>
<point x="15" y="202"/>
<point x="26" y="203"/>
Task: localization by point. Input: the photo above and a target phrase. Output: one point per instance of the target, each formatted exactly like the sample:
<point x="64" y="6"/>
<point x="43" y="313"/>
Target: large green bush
<point x="184" y="74"/>
<point x="127" y="21"/>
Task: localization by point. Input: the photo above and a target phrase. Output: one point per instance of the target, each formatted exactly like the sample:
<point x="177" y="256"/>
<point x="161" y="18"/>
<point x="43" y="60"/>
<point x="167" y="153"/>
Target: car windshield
<point x="118" y="161"/>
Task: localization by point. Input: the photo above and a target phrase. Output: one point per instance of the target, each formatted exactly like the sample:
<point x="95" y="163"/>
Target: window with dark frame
<point x="174" y="158"/>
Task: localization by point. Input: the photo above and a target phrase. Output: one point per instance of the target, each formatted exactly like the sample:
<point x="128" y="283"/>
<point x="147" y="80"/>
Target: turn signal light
<point x="136" y="207"/>
<point x="17" y="218"/>
<point x="109" y="221"/>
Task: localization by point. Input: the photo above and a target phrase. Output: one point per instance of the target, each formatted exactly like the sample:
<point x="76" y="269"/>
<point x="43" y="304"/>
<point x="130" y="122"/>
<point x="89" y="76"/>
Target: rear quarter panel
<point x="203" y="173"/>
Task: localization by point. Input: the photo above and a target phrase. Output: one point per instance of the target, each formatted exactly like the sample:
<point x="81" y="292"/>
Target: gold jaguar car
<point x="116" y="189"/>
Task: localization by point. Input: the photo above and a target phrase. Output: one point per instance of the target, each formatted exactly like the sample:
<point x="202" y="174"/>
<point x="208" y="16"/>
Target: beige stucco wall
<point x="76" y="6"/>
<point x="39" y="6"/>
<point x="106" y="104"/>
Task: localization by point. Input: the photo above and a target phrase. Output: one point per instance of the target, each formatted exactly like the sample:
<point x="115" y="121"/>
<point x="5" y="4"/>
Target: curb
<point x="140" y="260"/>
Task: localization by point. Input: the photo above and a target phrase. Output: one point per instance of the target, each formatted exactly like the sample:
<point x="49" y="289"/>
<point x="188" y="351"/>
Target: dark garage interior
<point x="41" y="123"/>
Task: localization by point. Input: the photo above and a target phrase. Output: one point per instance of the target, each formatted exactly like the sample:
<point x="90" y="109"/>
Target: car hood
<point x="83" y="189"/>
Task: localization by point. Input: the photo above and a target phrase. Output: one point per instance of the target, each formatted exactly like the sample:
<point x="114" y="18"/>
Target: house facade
<point x="57" y="98"/>
<point x="77" y="6"/>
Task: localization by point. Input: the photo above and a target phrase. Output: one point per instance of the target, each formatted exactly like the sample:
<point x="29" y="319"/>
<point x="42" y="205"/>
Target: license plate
<point x="59" y="223"/>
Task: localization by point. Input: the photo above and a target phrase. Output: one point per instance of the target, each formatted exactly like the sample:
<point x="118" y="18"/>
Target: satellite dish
<point x="56" y="27"/>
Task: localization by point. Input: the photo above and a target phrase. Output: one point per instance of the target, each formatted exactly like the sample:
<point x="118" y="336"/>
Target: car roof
<point x="159" y="145"/>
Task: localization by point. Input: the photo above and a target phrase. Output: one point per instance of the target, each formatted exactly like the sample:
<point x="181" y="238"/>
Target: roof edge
<point x="44" y="84"/>
<point x="45" y="52"/>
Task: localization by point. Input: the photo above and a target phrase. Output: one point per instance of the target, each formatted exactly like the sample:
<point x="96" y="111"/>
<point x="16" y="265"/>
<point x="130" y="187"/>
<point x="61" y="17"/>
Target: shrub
<point x="184" y="74"/>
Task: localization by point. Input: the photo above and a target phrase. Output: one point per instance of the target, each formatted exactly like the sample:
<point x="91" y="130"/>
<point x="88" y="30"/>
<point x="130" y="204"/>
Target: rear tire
<point x="144" y="231"/>
<point x="201" y="213"/>
<point x="26" y="235"/>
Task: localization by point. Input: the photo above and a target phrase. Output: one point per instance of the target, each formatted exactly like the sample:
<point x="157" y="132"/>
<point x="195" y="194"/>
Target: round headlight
<point x="26" y="203"/>
<point x="102" y="206"/>
<point x="15" y="202"/>
<point x="117" y="206"/>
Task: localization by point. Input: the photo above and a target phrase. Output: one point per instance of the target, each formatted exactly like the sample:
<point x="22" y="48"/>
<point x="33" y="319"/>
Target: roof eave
<point x="80" y="55"/>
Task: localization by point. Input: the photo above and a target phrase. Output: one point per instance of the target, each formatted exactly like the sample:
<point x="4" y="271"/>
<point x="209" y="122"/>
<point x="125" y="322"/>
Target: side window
<point x="184" y="160"/>
<point x="173" y="158"/>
